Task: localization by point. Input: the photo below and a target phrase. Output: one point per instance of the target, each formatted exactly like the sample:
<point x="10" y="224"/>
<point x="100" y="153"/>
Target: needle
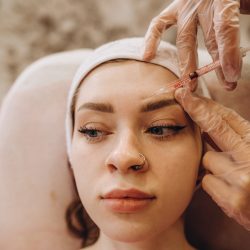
<point x="184" y="80"/>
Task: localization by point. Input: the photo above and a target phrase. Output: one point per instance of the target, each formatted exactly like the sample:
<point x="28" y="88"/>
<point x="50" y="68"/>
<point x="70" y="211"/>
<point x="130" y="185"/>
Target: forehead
<point x="129" y="78"/>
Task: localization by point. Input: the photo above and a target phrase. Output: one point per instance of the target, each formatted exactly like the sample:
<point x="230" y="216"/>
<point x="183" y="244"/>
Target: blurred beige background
<point x="31" y="29"/>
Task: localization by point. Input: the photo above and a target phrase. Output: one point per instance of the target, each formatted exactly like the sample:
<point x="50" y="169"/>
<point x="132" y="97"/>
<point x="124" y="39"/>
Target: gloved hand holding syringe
<point x="228" y="180"/>
<point x="187" y="78"/>
<point x="220" y="25"/>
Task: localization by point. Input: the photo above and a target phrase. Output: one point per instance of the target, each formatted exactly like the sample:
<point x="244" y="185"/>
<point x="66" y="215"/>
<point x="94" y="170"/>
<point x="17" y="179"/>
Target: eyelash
<point x="171" y="130"/>
<point x="91" y="134"/>
<point x="87" y="133"/>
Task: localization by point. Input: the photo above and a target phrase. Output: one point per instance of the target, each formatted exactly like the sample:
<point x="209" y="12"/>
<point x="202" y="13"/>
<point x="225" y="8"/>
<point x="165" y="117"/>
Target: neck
<point x="171" y="239"/>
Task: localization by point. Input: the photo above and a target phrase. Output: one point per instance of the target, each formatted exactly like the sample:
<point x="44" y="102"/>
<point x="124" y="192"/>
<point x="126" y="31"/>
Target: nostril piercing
<point x="139" y="166"/>
<point x="143" y="159"/>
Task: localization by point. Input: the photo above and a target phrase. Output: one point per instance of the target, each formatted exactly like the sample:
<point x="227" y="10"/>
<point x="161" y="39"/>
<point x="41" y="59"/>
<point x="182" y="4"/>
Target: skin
<point x="102" y="157"/>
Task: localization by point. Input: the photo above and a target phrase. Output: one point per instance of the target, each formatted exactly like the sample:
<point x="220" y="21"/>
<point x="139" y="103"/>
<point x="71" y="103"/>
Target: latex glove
<point x="219" y="20"/>
<point x="228" y="182"/>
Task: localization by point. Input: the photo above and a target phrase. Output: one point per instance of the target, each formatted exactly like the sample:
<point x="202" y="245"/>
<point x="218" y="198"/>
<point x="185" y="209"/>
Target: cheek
<point x="83" y="158"/>
<point x="176" y="168"/>
<point x="85" y="169"/>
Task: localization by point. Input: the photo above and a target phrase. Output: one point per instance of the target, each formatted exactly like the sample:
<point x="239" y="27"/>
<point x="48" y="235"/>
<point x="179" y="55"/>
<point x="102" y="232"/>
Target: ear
<point x="201" y="173"/>
<point x="206" y="146"/>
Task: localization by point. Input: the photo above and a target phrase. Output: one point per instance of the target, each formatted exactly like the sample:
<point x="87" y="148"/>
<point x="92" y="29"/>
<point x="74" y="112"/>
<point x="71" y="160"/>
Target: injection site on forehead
<point x="129" y="74"/>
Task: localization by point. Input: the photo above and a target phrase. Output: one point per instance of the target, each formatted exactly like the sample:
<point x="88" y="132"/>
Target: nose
<point x="126" y="156"/>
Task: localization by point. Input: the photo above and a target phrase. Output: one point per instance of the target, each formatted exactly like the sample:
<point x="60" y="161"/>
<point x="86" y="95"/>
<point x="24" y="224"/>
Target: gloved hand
<point x="219" y="20"/>
<point x="228" y="182"/>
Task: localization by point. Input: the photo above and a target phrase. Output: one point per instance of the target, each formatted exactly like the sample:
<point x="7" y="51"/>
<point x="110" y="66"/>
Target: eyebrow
<point x="101" y="107"/>
<point x="107" y="108"/>
<point x="154" y="105"/>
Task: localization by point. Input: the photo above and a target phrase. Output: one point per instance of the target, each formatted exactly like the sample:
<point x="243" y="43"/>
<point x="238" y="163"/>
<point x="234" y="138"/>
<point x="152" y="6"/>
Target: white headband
<point x="130" y="48"/>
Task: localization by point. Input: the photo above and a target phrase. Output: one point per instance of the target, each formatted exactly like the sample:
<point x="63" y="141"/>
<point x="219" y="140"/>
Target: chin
<point x="126" y="236"/>
<point x="129" y="232"/>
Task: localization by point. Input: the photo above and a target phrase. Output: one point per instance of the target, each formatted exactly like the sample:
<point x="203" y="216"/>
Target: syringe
<point x="186" y="79"/>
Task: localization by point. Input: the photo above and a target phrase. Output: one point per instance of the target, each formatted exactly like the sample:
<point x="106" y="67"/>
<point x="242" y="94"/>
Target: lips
<point x="127" y="201"/>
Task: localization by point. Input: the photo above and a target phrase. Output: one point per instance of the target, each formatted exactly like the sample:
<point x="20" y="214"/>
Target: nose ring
<point x="143" y="159"/>
<point x="139" y="167"/>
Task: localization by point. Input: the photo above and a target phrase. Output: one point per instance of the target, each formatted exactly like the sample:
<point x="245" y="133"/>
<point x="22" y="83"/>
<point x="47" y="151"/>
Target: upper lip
<point x="128" y="193"/>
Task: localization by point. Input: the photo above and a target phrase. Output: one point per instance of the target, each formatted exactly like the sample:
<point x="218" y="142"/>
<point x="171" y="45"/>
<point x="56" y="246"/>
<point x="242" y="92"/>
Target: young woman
<point x="135" y="155"/>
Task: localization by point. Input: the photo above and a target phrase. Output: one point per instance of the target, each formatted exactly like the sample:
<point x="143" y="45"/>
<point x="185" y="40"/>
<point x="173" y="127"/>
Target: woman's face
<point x="116" y="118"/>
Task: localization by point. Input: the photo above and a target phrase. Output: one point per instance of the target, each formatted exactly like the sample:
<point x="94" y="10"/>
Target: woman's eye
<point x="93" y="134"/>
<point x="162" y="132"/>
